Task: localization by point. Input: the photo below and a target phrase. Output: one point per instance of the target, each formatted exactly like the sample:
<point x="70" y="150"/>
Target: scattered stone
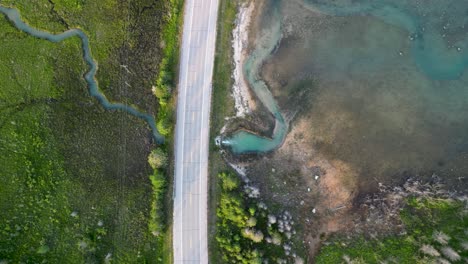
<point x="74" y="214"/>
<point x="298" y="260"/>
<point x="271" y="219"/>
<point x="313" y="211"/>
<point x="252" y="192"/>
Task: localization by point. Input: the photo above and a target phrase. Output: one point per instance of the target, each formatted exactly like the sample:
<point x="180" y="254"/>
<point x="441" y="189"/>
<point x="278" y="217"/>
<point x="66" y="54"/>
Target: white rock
<point x="271" y="219"/>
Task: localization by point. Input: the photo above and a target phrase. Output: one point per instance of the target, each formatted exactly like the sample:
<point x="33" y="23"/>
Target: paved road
<point x="190" y="235"/>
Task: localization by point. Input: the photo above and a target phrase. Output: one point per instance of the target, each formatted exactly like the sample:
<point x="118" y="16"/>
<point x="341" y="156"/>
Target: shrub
<point x="242" y="225"/>
<point x="157" y="159"/>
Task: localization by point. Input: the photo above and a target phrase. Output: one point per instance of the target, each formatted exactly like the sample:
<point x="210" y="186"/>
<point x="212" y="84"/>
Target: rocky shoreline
<point x="243" y="100"/>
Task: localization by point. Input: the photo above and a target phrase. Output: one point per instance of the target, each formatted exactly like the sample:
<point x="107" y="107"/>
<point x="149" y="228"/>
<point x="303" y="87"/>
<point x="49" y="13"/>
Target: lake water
<point x="14" y="17"/>
<point x="385" y="81"/>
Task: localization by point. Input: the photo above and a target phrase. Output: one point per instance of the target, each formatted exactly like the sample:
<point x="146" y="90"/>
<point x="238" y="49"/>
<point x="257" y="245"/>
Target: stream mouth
<point x="244" y="142"/>
<point x="90" y="76"/>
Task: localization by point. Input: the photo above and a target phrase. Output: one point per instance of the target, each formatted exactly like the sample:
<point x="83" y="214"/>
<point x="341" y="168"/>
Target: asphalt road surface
<point x="190" y="235"/>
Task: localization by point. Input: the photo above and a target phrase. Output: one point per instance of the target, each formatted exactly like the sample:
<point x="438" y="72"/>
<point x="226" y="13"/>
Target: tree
<point x="157" y="159"/>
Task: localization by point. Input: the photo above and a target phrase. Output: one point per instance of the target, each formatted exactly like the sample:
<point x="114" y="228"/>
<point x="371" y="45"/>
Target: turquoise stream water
<point x="439" y="48"/>
<point x="14" y="16"/>
<point x="247" y="142"/>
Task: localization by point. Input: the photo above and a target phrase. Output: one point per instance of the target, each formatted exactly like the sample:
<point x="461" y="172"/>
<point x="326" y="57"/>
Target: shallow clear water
<point x="383" y="85"/>
<point x="14" y="16"/>
<point x="428" y="24"/>
<point x="392" y="84"/>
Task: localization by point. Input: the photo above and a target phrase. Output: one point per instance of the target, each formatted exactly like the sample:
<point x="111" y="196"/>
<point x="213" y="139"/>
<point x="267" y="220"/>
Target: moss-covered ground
<point x="433" y="226"/>
<point x="74" y="177"/>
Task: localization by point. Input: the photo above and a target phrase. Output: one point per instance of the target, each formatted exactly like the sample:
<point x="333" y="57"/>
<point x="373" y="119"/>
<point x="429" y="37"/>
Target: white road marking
<point x="192" y="131"/>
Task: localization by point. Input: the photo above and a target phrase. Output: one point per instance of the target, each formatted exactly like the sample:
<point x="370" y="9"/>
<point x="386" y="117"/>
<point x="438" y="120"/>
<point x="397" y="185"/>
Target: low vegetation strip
<point x="164" y="91"/>
<point x="222" y="106"/>
<point x="165" y="83"/>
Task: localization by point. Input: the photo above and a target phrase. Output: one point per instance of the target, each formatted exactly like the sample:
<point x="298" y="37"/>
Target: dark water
<point x="15" y="19"/>
<point x="389" y="80"/>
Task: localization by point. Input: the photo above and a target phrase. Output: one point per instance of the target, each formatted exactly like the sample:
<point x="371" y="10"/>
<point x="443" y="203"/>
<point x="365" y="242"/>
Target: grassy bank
<point x="222" y="106"/>
<point x="435" y="232"/>
<point x="164" y="91"/>
<point x="75" y="185"/>
<point x="166" y="80"/>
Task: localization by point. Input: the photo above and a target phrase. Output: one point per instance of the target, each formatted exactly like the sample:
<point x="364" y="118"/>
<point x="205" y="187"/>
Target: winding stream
<point x="246" y="142"/>
<point x="15" y="18"/>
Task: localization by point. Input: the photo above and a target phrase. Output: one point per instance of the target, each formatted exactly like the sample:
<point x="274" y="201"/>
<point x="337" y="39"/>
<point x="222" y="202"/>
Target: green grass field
<point x="74" y="178"/>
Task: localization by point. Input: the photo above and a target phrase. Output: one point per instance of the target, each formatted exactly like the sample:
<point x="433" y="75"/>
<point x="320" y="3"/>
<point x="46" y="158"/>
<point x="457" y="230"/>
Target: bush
<point x="157" y="159"/>
<point x="158" y="183"/>
<point x="242" y="226"/>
